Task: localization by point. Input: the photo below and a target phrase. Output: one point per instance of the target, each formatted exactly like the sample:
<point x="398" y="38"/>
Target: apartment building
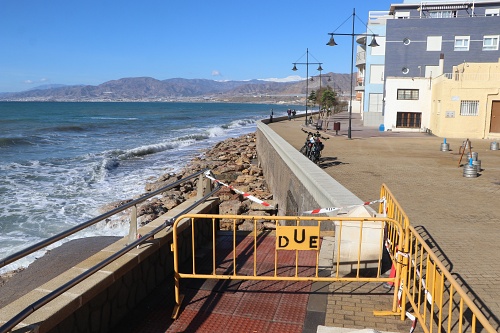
<point x="423" y="40"/>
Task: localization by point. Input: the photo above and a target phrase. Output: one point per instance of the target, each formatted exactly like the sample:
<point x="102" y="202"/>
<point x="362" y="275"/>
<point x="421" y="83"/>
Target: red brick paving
<point x="239" y="306"/>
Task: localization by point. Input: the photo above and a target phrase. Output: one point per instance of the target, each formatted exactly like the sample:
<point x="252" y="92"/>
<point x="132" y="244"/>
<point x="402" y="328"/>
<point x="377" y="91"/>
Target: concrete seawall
<point x="297" y="183"/>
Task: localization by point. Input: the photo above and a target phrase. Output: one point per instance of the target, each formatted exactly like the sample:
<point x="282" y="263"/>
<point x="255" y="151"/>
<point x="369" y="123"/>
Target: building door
<point x="495" y="117"/>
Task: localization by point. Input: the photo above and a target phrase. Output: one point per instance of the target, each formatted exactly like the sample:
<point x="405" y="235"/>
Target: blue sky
<point x="91" y="42"/>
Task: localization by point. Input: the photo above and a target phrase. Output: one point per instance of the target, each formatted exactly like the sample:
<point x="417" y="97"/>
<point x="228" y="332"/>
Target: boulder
<point x="230" y="207"/>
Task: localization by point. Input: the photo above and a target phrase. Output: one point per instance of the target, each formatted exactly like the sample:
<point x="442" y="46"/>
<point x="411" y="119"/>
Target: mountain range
<point x="178" y="89"/>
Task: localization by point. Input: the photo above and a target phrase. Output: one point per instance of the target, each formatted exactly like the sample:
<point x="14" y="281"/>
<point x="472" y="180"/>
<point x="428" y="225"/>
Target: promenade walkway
<point x="458" y="216"/>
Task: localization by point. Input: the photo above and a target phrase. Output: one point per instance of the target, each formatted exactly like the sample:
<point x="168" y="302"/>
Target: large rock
<point x="245" y="179"/>
<point x="230" y="207"/>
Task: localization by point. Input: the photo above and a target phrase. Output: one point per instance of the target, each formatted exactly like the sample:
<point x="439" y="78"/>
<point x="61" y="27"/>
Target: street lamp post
<point x="307" y="63"/>
<point x="331" y="42"/>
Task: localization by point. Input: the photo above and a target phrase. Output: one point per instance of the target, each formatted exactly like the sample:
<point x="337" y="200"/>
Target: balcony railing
<point x="360" y="57"/>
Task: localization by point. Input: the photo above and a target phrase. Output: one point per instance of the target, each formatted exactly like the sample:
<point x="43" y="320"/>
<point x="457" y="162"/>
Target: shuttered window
<point x="408" y="119"/>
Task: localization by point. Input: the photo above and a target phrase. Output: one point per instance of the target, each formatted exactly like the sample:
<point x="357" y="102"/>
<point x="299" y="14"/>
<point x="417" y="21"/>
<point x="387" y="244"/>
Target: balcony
<point x="360" y="84"/>
<point x="361" y="58"/>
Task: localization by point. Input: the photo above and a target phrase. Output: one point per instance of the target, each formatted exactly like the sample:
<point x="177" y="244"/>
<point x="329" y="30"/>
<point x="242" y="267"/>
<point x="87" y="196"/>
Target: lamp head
<point x="294" y="68"/>
<point x="373" y="43"/>
<point x="331" y="42"/>
<point x="319" y="68"/>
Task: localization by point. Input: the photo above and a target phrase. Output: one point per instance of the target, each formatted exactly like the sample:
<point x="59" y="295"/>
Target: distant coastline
<point x="249" y="100"/>
<point x="147" y="89"/>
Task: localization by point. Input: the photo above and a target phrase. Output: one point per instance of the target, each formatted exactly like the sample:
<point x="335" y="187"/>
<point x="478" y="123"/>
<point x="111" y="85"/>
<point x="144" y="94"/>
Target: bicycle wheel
<point x="303" y="150"/>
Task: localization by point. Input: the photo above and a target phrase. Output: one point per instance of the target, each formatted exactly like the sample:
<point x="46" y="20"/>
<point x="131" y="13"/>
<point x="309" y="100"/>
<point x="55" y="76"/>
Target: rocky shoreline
<point x="233" y="162"/>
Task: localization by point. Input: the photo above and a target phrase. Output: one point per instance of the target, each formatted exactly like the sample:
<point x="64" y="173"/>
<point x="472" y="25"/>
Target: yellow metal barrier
<point x="436" y="299"/>
<point x="360" y="242"/>
<point x="392" y="208"/>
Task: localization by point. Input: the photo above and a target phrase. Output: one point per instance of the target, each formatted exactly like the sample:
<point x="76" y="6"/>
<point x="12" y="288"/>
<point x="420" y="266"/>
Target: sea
<point x="61" y="162"/>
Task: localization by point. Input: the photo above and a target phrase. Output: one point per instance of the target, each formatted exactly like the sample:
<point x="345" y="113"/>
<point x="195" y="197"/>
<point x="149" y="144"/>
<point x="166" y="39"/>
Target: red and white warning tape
<point x="333" y="209"/>
<point x="400" y="290"/>
<point x="209" y="175"/>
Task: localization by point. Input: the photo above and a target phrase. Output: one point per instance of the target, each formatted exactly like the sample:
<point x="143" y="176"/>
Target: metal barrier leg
<point x="178" y="297"/>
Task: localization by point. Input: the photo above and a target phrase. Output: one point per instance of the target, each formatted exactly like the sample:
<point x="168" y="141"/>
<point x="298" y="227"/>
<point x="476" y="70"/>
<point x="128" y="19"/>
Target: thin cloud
<point x="291" y="78"/>
<point x="216" y="73"/>
<point x="42" y="80"/>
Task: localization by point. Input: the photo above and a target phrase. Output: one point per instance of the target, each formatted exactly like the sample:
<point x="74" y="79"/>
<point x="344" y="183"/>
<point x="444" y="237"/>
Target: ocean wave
<point x="216" y="131"/>
<point x="241" y="123"/>
<point x="112" y="157"/>
<point x="101" y="170"/>
<point x="195" y="137"/>
<point x="12" y="142"/>
<point x="68" y="128"/>
<point x="114" y="118"/>
<point x="147" y="150"/>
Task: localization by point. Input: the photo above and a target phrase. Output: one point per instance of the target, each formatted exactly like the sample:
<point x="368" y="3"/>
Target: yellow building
<point x="466" y="103"/>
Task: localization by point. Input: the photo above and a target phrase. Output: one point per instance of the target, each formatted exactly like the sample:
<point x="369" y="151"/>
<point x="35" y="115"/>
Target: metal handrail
<point x="69" y="232"/>
<point x="68" y="285"/>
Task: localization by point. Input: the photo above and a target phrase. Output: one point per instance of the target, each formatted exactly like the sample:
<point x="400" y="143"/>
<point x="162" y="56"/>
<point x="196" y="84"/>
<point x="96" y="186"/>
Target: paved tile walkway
<point x="235" y="305"/>
<point x="458" y="216"/>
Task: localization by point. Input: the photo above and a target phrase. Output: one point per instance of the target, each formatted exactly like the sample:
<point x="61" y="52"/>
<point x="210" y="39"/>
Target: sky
<point x="90" y="42"/>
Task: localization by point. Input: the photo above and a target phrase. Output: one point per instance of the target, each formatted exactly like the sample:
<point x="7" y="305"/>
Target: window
<point x="443" y="14"/>
<point x="434" y="43"/>
<point x="408" y="94"/>
<point x="376" y="74"/>
<point x="432" y="71"/>
<point x="462" y="43"/>
<point x="402" y="15"/>
<point x="492" y="12"/>
<point x="379" y="50"/>
<point x="490" y="43"/>
<point x="469" y="108"/>
<point x="375" y="102"/>
<point x="408" y="119"/>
